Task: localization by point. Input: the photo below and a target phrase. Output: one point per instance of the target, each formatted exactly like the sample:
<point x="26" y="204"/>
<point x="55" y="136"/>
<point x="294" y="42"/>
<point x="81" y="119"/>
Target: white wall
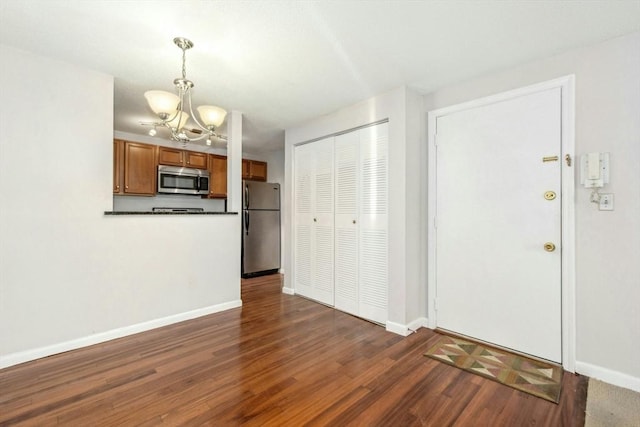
<point x="608" y="243"/>
<point x="403" y="108"/>
<point x="69" y="275"/>
<point x="275" y="168"/>
<point x="146" y="203"/>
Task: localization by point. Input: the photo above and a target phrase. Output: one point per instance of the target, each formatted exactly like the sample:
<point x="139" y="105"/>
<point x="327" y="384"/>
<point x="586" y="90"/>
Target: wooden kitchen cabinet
<point x="118" y="165"/>
<point x="174" y="157"/>
<point x="196" y="160"/>
<point x="170" y="156"/>
<point x="254" y="170"/>
<point x="134" y="168"/>
<point x="246" y="167"/>
<point x="258" y="170"/>
<point x="218" y="177"/>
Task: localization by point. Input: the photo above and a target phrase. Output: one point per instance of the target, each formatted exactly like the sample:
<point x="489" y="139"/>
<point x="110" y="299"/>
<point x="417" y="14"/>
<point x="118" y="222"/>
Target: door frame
<point x="567" y="87"/>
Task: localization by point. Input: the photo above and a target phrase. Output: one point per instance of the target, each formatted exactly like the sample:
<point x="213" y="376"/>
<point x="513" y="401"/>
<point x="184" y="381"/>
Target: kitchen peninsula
<point x="73" y="276"/>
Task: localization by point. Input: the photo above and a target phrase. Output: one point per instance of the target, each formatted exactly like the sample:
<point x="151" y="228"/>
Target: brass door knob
<point x="549" y="247"/>
<point x="550" y="195"/>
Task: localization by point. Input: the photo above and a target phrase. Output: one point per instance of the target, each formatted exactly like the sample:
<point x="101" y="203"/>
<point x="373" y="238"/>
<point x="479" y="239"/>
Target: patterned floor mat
<point x="535" y="377"/>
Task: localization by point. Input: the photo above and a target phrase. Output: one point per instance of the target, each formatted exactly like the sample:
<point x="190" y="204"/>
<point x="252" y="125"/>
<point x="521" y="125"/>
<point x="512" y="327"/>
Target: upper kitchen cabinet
<point x="246" y="174"/>
<point x="218" y="177"/>
<point x="175" y="157"/>
<point x="118" y="165"/>
<point x="254" y="170"/>
<point x="134" y="168"/>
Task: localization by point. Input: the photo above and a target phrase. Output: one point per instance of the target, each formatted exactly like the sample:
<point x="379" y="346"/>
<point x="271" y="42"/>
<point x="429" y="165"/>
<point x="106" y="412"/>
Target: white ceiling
<point x="282" y="63"/>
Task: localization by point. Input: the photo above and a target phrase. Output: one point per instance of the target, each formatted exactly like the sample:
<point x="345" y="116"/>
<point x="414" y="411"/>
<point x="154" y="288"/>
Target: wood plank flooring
<point x="280" y="360"/>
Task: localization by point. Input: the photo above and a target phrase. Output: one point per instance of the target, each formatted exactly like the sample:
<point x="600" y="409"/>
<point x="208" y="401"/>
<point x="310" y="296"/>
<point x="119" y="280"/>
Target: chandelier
<point x="174" y="110"/>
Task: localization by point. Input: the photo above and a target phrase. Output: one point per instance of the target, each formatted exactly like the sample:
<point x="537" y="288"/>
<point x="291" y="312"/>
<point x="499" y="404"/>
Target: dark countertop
<point x="167" y="213"/>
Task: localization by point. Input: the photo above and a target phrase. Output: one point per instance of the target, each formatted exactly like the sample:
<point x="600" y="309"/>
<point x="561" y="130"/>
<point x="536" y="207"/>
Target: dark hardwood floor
<point x="279" y="360"/>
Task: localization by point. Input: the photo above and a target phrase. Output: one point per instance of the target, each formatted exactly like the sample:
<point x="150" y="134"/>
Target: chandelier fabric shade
<point x="174" y="111"/>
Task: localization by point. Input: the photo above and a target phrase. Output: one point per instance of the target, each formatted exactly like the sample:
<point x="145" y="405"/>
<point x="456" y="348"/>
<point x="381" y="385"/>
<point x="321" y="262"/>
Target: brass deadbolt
<point x="549" y="247"/>
<point x="550" y="195"/>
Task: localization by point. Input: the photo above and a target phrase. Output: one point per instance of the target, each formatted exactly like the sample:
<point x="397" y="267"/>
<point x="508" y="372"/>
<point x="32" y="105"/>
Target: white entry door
<point x="498" y="223"/>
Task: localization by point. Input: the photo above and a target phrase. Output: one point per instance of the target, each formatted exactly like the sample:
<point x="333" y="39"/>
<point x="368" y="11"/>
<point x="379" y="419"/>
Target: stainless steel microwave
<point x="177" y="180"/>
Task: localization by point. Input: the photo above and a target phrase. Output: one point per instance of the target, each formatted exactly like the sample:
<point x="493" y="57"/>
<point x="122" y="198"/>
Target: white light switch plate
<point x="606" y="202"/>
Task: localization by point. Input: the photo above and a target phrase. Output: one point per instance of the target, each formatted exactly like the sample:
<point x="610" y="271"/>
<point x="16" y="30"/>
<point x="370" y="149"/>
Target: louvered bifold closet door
<point x="323" y="222"/>
<point x="346" y="222"/>
<point x="373" y="223"/>
<point x="303" y="185"/>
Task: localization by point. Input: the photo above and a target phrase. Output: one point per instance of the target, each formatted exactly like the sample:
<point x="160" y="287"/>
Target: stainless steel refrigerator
<point x="260" y="228"/>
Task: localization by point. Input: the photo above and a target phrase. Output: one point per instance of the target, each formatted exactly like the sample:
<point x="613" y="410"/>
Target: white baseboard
<point x="420" y="322"/>
<point x="607" y="375"/>
<point x="288" y="291"/>
<point x="405" y="330"/>
<point x="37" y="353"/>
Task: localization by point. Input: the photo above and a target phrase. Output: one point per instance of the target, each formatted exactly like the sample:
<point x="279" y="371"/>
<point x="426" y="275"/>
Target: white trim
<point x="37" y="353"/>
<point x="420" y="322"/>
<point x="398" y="328"/>
<point x="567" y="87"/>
<point x="406" y="330"/>
<point x="288" y="291"/>
<point x="431" y="217"/>
<point x="290" y="220"/>
<point x="607" y="375"/>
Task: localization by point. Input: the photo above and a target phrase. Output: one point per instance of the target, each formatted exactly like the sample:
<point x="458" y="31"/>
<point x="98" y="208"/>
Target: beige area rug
<point x="532" y="376"/>
<point x="608" y="405"/>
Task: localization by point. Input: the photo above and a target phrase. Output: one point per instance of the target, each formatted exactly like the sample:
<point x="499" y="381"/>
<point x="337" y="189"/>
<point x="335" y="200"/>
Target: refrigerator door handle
<point x="246" y="222"/>
<point x="246" y="196"/>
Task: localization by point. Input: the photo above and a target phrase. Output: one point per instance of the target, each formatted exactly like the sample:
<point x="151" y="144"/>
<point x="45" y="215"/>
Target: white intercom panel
<point x="594" y="170"/>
